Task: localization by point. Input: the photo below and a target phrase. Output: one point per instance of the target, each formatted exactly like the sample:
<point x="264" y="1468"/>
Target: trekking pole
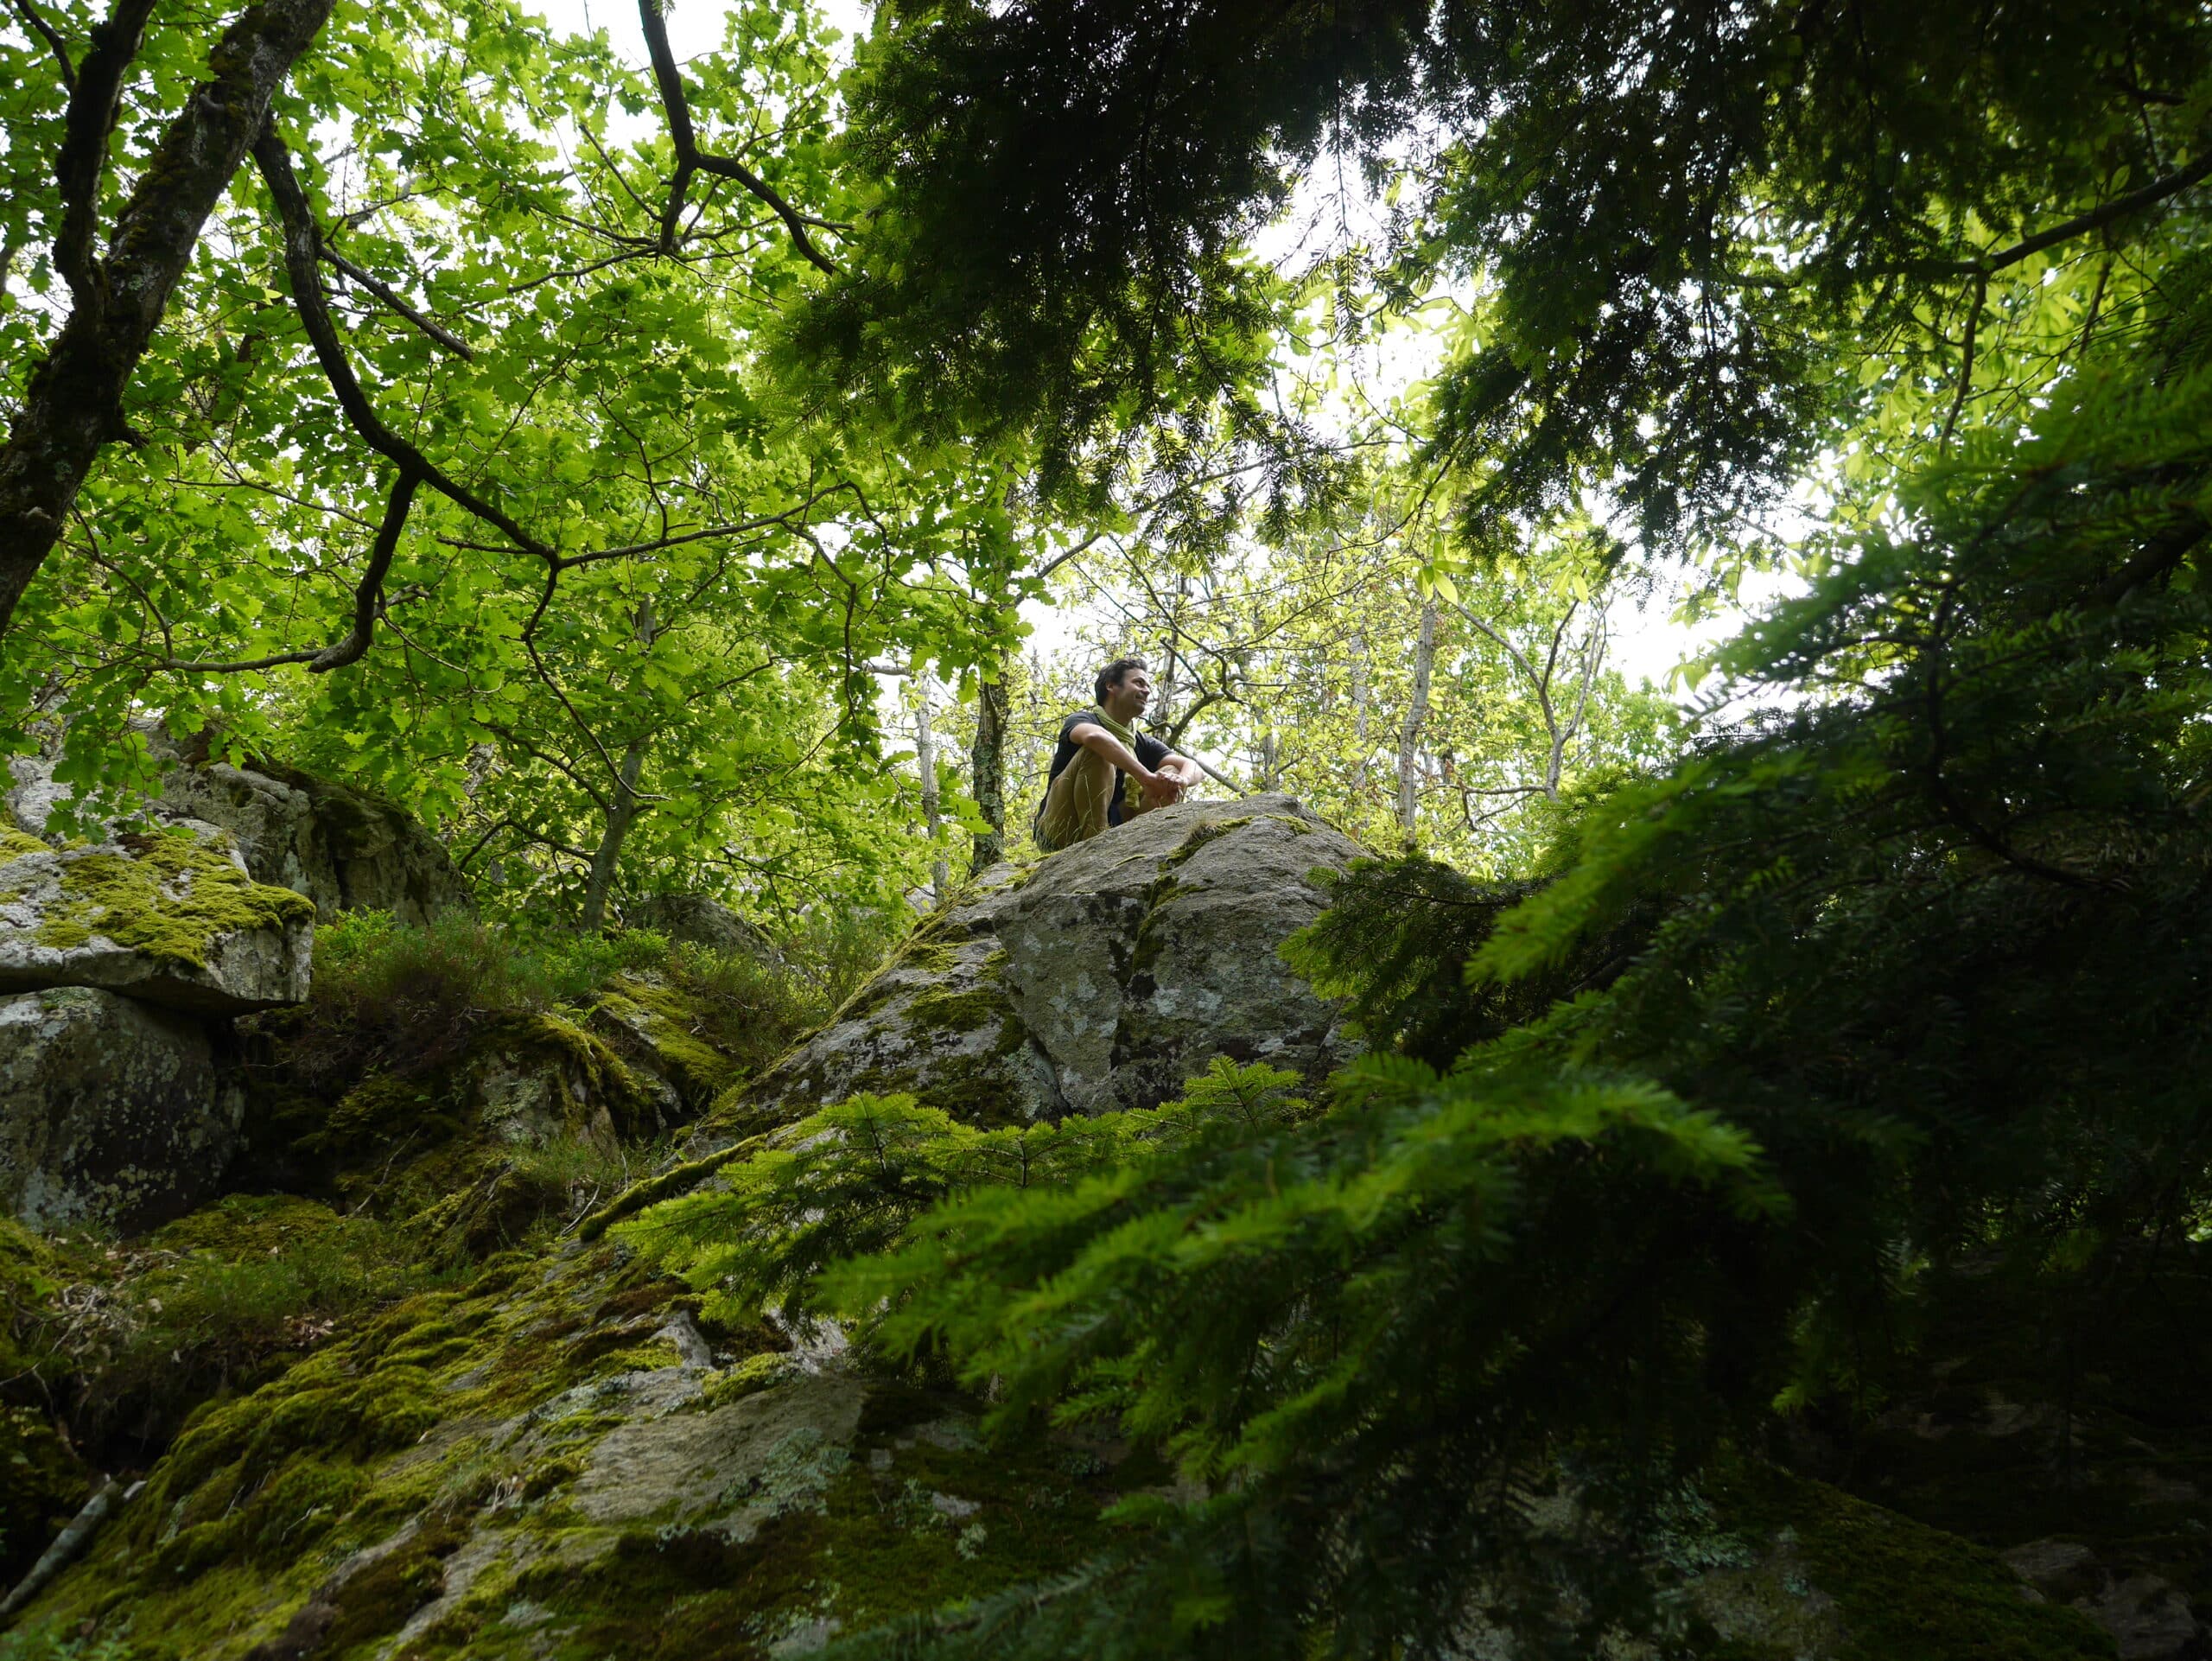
<point x="1220" y="778"/>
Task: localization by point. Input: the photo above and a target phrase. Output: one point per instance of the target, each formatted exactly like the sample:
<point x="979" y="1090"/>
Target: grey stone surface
<point x="112" y="1112"/>
<point x="1100" y="977"/>
<point x="344" y="848"/>
<point x="694" y="918"/>
<point x="169" y="918"/>
<point x="2149" y="1618"/>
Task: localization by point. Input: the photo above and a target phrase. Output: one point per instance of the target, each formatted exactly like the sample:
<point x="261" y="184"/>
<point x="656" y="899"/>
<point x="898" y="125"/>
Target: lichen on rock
<point x="168" y="916"/>
<point x="113" y="1113"/>
<point x="1095" y="978"/>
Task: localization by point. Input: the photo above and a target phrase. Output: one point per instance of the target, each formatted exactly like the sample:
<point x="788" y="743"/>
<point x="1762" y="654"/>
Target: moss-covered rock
<point x="2062" y="1427"/>
<point x="169" y="917"/>
<point x="1101" y="976"/>
<point x="344" y="847"/>
<point x="661" y="1031"/>
<point x="556" y="1461"/>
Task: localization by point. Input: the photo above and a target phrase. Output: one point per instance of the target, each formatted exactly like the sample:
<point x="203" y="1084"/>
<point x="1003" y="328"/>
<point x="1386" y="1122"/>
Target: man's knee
<point x="1076" y="803"/>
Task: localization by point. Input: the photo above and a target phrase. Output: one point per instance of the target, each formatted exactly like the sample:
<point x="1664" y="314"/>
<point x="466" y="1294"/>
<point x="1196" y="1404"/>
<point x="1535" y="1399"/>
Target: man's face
<point x="1131" y="697"/>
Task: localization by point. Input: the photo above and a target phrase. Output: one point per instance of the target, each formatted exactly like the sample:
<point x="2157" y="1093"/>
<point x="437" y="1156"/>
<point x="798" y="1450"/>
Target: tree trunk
<point x="1162" y="715"/>
<point x="989" y="772"/>
<point x="73" y="406"/>
<point x="1359" y="695"/>
<point x="1416" y="715"/>
<point x="925" y="756"/>
<point x="621" y="814"/>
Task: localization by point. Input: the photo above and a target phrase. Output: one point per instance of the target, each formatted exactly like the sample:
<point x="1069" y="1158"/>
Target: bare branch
<point x="368" y="595"/>
<point x="690" y="159"/>
<point x="428" y="325"/>
<point x="302" y="250"/>
<point x="36" y="21"/>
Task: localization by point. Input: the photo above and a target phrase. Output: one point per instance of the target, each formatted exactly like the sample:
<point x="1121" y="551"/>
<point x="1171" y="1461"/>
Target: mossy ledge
<point x="170" y="896"/>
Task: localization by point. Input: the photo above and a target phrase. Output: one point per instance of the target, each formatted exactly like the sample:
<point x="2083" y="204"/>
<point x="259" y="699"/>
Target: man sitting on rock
<point x="1100" y="754"/>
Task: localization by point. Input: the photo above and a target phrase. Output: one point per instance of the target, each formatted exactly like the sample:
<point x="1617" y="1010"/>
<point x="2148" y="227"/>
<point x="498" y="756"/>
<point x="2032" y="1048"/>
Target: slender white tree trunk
<point x="1416" y="715"/>
<point x="1360" y="696"/>
<point x="925" y="755"/>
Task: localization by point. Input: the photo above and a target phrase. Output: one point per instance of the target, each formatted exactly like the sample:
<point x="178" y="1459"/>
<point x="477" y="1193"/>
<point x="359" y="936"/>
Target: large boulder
<point x="169" y="916"/>
<point x="699" y="920"/>
<point x="113" y="1113"/>
<point x="1098" y="978"/>
<point x="343" y="848"/>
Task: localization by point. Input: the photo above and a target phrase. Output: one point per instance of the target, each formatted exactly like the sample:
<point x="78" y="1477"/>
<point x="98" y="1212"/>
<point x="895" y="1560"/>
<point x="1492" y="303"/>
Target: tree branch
<point x="72" y="408"/>
<point x="690" y="159"/>
<point x="303" y="249"/>
<point x="368" y="595"/>
<point x="430" y="326"/>
<point x="94" y="103"/>
<point x="2096" y="218"/>
<point x="35" y="21"/>
<point x="1966" y="363"/>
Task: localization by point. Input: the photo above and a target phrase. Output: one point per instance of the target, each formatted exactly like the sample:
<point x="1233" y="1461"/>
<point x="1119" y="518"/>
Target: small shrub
<point x="213" y="1303"/>
<point x="390" y="998"/>
<point x="45" y="1643"/>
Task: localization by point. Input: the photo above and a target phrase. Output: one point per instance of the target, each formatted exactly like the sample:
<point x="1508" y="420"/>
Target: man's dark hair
<point x="1112" y="675"/>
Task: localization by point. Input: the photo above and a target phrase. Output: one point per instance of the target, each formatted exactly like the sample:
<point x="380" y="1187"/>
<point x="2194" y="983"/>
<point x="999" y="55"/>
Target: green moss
<point x="678" y="1179"/>
<point x="1205" y="832"/>
<point x="979" y="1089"/>
<point x="957" y="1012"/>
<point x="667" y="1020"/>
<point x="170" y="897"/>
<point x="380" y="1598"/>
<point x="14" y="843"/>
<point x="748" y="1378"/>
<point x="1903" y="1590"/>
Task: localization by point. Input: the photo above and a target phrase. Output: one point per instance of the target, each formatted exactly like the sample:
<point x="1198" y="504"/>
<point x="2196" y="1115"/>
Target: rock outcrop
<point x="565" y="1460"/>
<point x="1096" y="978"/>
<point x="201" y="905"/>
<point x="345" y="849"/>
<point x="342" y="848"/>
<point x="563" y="1453"/>
<point x="112" y="1112"/>
<point x="701" y="921"/>
<point x="170" y="917"/>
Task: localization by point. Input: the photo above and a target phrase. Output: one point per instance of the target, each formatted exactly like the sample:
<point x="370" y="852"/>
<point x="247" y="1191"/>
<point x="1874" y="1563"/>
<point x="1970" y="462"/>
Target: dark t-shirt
<point x="1147" y="750"/>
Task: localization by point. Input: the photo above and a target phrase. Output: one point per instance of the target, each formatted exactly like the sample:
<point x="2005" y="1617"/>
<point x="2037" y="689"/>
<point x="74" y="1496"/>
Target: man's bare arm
<point x="1159" y="788"/>
<point x="1183" y="769"/>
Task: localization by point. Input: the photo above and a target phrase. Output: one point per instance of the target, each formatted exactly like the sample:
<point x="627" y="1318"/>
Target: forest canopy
<point x="640" y="468"/>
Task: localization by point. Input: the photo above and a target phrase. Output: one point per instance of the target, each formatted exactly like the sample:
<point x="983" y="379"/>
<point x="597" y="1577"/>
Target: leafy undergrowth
<point x="482" y="1081"/>
<point x="390" y="998"/>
